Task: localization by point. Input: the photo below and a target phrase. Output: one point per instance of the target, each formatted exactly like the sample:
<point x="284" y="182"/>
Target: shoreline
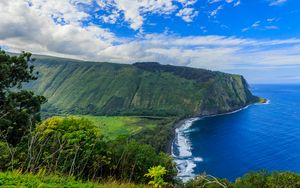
<point x="185" y="161"/>
<point x="180" y="122"/>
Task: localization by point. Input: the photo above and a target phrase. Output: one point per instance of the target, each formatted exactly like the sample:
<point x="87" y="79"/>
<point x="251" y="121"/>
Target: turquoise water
<point x="259" y="137"/>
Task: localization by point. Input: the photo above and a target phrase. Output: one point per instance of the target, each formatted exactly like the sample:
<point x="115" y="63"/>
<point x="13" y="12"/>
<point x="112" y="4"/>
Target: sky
<point x="259" y="39"/>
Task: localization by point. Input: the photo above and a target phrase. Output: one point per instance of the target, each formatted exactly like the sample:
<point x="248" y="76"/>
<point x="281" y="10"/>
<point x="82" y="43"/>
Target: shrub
<point x="261" y="179"/>
<point x="207" y="181"/>
<point x="157" y="173"/>
<point x="70" y="145"/>
<point x="132" y="160"/>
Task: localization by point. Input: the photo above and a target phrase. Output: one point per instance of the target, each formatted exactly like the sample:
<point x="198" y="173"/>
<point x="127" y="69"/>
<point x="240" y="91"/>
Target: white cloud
<point x="277" y="2"/>
<point x="187" y="14"/>
<point x="265" y="25"/>
<point x="135" y="10"/>
<point x="186" y="3"/>
<point x="215" y="12"/>
<point x="245" y="29"/>
<point x="271" y="19"/>
<point x="256" y="24"/>
<point x="111" y="18"/>
<point x="273" y="27"/>
<point x="63" y="9"/>
<point x="234" y="2"/>
<point x="214" y="1"/>
<point x="32" y="28"/>
<point x="237" y="3"/>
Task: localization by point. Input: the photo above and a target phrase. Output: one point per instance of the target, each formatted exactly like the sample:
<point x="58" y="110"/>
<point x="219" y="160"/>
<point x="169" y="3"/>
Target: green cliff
<point x="79" y="87"/>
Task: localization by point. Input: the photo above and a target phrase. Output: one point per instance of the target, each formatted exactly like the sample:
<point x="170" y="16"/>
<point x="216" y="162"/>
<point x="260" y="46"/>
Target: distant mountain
<point x="79" y="87"/>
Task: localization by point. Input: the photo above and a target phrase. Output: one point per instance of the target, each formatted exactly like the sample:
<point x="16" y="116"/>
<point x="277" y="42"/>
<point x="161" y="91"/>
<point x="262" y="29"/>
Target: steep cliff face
<point x="225" y="94"/>
<point x="141" y="89"/>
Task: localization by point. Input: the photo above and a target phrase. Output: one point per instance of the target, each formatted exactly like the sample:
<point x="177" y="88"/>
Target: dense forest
<point x="79" y="150"/>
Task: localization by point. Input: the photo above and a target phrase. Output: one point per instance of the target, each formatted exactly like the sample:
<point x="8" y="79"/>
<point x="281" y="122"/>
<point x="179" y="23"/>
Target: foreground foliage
<point x="262" y="179"/>
<point x="156" y="173"/>
<point x="251" y="180"/>
<point x="19" y="109"/>
<point x="74" y="146"/>
<point x="17" y="179"/>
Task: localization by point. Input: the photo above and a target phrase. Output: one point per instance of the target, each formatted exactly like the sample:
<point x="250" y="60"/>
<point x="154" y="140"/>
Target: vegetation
<point x="251" y="180"/>
<point x="75" y="147"/>
<point x="154" y="131"/>
<point x="262" y="179"/>
<point x="90" y="151"/>
<point x="17" y="179"/>
<point x="156" y="173"/>
<point x="72" y="146"/>
<point x="113" y="127"/>
<point x="18" y="109"/>
<point x="151" y="89"/>
<point x="262" y="100"/>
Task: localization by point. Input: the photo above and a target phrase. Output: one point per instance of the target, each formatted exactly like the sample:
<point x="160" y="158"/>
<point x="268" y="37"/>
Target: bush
<point x="265" y="179"/>
<point x="75" y="147"/>
<point x="17" y="179"/>
<point x="132" y="160"/>
<point x="70" y="145"/>
<point x="283" y="179"/>
<point x="207" y="181"/>
<point x="5" y="156"/>
<point x="261" y="179"/>
<point x="157" y="173"/>
<point x="253" y="179"/>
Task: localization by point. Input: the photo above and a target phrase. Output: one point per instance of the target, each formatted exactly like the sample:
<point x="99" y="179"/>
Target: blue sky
<point x="257" y="38"/>
<point x="272" y="20"/>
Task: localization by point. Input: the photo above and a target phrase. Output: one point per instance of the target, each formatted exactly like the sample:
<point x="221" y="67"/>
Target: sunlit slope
<point x="79" y="87"/>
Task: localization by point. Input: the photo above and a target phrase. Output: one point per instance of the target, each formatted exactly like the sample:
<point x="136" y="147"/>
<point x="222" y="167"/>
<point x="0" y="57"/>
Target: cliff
<point x="79" y="87"/>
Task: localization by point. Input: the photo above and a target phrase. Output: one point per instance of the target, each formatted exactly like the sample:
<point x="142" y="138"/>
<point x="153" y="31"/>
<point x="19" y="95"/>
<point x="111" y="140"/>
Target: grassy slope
<point x="74" y="87"/>
<point x="15" y="179"/>
<point x="253" y="179"/>
<point x="115" y="126"/>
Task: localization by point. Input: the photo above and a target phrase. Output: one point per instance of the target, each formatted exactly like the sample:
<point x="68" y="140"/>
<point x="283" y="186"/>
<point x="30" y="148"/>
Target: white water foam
<point x="185" y="160"/>
<point x="198" y="159"/>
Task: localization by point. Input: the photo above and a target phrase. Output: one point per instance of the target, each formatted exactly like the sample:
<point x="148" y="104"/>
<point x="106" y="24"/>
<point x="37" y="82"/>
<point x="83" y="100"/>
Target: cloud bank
<point x="44" y="27"/>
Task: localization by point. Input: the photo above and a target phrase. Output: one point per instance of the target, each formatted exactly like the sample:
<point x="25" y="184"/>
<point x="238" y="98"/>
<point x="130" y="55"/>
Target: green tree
<point x="131" y="160"/>
<point x="70" y="145"/>
<point x="19" y="109"/>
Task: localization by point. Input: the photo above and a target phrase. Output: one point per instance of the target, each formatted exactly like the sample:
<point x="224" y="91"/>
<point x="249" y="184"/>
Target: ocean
<point x="259" y="137"/>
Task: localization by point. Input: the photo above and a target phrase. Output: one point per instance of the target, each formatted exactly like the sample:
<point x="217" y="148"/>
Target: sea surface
<point x="262" y="136"/>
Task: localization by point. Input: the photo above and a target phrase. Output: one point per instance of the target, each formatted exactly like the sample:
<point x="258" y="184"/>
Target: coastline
<point x="183" y="157"/>
<point x="176" y="125"/>
<point x="180" y="122"/>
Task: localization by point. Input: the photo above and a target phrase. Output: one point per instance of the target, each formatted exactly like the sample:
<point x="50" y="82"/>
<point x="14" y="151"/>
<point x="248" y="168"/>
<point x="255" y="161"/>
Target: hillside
<point x="79" y="87"/>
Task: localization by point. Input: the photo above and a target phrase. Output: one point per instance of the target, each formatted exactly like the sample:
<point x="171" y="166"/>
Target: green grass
<point x="262" y="100"/>
<point x="115" y="126"/>
<point x="16" y="179"/>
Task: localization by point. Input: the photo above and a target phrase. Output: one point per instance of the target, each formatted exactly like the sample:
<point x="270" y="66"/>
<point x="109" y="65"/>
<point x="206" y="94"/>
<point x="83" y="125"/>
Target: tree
<point x="69" y="145"/>
<point x="19" y="109"/>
